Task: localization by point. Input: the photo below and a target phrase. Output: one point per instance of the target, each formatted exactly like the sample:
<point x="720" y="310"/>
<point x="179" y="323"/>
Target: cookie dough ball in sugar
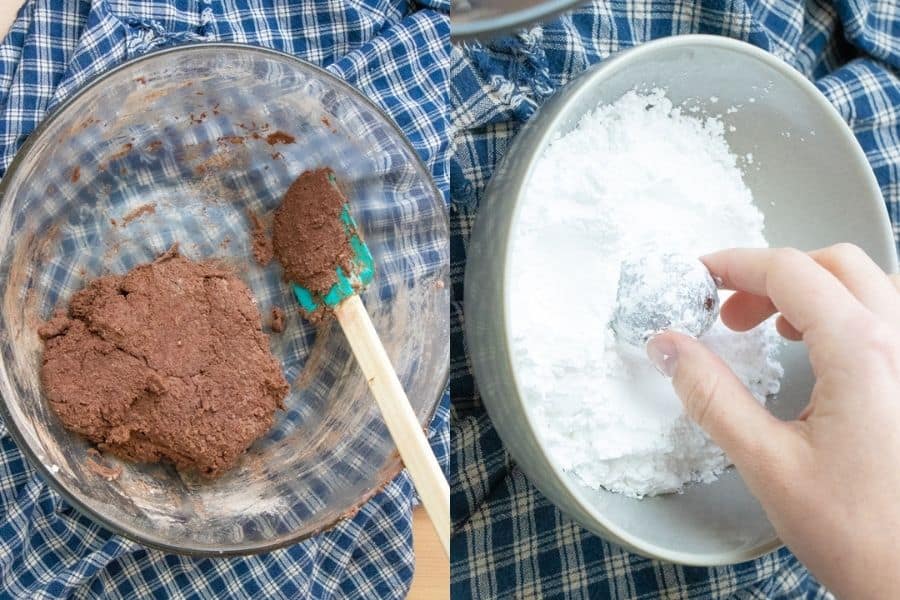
<point x="659" y="291"/>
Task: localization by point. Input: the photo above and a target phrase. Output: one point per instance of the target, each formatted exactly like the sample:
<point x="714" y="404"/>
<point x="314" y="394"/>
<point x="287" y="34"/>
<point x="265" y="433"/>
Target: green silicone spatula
<point x="401" y="421"/>
<point x="362" y="270"/>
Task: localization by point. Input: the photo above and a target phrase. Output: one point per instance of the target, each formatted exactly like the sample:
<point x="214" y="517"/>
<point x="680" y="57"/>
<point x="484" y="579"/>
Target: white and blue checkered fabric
<point x="395" y="52"/>
<point x="509" y="541"/>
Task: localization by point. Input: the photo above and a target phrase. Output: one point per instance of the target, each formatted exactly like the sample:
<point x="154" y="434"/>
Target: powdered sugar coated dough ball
<point x="664" y="291"/>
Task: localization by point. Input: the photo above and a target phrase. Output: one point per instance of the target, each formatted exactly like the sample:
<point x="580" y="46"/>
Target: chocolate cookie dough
<point x="261" y="242"/>
<point x="276" y="323"/>
<point x="308" y="236"/>
<point x="167" y="362"/>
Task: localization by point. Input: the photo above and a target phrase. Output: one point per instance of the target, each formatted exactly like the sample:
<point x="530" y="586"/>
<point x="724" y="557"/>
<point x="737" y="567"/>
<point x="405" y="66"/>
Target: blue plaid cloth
<point x="396" y="53"/>
<point x="509" y="541"/>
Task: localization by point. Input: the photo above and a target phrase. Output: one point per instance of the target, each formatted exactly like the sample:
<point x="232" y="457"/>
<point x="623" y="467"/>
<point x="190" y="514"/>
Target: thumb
<point x="717" y="400"/>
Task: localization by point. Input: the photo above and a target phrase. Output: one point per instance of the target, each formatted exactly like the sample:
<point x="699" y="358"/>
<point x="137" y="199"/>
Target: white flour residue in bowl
<point x="635" y="177"/>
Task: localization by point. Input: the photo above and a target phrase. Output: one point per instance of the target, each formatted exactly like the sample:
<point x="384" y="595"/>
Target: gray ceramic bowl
<point x="484" y="19"/>
<point x="815" y="190"/>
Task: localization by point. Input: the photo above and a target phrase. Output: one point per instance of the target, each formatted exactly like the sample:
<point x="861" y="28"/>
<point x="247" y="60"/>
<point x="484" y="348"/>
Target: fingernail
<point x="663" y="354"/>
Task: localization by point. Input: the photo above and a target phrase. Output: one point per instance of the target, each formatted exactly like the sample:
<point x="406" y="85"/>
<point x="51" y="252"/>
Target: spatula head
<point x="362" y="270"/>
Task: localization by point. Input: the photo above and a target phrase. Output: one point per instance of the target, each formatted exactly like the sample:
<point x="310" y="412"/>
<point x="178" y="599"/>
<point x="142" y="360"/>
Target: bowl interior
<point x="489" y="18"/>
<point x="810" y="179"/>
<point x="188" y="131"/>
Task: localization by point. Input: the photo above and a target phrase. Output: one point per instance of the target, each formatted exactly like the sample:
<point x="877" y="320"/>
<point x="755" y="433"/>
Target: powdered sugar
<point x="634" y="178"/>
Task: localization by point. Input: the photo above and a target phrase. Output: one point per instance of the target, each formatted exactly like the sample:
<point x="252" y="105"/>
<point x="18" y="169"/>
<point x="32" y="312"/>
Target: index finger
<point x="807" y="294"/>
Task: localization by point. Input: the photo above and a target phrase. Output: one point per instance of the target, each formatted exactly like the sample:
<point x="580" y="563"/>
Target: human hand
<point x="829" y="481"/>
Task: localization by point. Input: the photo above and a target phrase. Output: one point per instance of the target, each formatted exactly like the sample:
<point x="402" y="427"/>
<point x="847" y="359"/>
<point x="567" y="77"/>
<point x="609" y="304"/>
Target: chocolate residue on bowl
<point x="260" y="240"/>
<point x="76" y="174"/>
<point x="231" y="139"/>
<point x="221" y="159"/>
<point x="118" y="154"/>
<point x="167" y="362"/>
<point x="98" y="468"/>
<point x="137" y="213"/>
<point x="280" y="137"/>
<point x="276" y="323"/>
<point x="121" y="152"/>
<point x="308" y="235"/>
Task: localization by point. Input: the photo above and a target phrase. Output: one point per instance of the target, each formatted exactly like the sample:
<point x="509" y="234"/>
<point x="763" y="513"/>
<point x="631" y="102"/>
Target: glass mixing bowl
<point x="189" y="131"/>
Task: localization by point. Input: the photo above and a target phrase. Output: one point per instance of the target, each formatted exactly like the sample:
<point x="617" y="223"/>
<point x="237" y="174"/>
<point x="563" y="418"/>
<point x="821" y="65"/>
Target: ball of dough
<point x="658" y="292"/>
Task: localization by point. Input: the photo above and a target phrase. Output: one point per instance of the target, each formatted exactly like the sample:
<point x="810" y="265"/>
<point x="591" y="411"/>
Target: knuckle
<point x="846" y="252"/>
<point x="880" y="341"/>
<point x="842" y="259"/>
<point x="877" y="352"/>
<point x="786" y="257"/>
<point x="786" y="262"/>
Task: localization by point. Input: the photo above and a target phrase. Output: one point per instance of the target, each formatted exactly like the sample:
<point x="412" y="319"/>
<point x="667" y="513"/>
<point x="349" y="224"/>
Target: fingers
<point x="786" y="330"/>
<point x="862" y="276"/>
<point x="716" y="399"/>
<point x="895" y="281"/>
<point x="744" y="311"/>
<point x="806" y="294"/>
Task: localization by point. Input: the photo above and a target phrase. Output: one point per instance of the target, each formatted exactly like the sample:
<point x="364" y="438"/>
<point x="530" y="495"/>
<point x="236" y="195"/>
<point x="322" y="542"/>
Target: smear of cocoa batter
<point x="260" y="240"/>
<point x="308" y="236"/>
<point x="276" y="323"/>
<point x="98" y="468"/>
<point x="167" y="362"/>
<point x="233" y="139"/>
<point x="218" y="161"/>
<point x="76" y="174"/>
<point x="137" y="213"/>
<point x="121" y="152"/>
<point x="280" y="137"/>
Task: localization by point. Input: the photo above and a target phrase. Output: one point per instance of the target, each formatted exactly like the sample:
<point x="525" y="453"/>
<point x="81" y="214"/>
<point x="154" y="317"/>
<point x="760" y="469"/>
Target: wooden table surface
<point x="432" y="578"/>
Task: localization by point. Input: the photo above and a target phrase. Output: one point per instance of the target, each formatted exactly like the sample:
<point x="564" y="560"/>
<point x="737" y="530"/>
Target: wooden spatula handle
<point x="401" y="421"/>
